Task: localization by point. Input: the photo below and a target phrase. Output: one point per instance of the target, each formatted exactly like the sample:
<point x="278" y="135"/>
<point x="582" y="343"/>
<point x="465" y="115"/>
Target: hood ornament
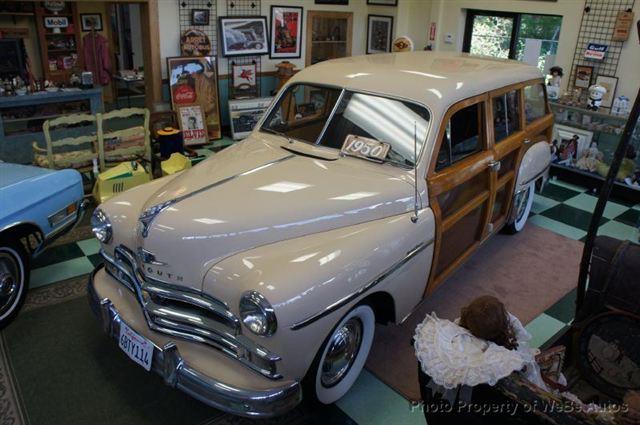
<point x="149" y="214"/>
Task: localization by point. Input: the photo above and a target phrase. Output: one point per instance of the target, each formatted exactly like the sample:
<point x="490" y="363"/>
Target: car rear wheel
<point x="14" y="279"/>
<point x="342" y="356"/>
<point x="522" y="203"/>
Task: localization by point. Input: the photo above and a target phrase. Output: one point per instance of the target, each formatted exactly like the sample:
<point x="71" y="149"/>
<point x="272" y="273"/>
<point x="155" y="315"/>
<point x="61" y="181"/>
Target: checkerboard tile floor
<point x="566" y="209"/>
<point x="561" y="207"/>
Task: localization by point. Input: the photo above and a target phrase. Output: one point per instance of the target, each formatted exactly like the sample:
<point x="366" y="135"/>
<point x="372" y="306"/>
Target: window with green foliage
<point x="512" y="35"/>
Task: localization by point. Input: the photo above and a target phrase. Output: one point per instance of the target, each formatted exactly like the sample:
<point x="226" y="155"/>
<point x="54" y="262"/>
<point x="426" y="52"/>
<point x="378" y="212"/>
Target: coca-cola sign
<point x="184" y="95"/>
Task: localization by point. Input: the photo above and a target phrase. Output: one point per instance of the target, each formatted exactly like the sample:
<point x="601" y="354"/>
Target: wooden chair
<point x="75" y="149"/>
<point x="129" y="143"/>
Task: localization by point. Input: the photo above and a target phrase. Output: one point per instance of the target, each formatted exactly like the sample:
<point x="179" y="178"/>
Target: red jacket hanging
<point x="96" y="57"/>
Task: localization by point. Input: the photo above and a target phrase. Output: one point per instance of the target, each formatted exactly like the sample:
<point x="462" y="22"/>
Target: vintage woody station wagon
<point x="259" y="274"/>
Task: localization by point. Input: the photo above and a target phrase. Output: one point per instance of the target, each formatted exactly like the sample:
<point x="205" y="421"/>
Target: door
<point x="506" y="136"/>
<point x="460" y="183"/>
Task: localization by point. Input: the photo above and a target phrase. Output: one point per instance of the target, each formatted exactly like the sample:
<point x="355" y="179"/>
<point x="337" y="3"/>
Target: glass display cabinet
<point x="583" y="144"/>
<point x="329" y="35"/>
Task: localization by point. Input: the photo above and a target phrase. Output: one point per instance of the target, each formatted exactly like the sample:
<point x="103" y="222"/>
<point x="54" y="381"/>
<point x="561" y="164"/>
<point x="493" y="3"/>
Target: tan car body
<point x="314" y="236"/>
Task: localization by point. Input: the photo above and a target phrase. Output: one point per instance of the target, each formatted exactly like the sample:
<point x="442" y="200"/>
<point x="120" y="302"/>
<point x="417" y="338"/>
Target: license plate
<point x="138" y="348"/>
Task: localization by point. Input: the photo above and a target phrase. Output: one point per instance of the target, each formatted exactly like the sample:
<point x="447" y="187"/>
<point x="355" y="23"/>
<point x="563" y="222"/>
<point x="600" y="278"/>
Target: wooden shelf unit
<point x="329" y="35"/>
<point x="48" y="38"/>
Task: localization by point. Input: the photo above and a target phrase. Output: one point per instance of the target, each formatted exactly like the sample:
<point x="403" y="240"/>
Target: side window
<point x="506" y="118"/>
<point x="462" y="136"/>
<point x="534" y="102"/>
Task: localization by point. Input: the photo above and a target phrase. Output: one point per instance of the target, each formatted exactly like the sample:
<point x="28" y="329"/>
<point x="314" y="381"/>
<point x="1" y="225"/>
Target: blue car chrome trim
<point x="178" y="373"/>
<point x="362" y="290"/>
<point x="189" y="315"/>
<point x="148" y="215"/>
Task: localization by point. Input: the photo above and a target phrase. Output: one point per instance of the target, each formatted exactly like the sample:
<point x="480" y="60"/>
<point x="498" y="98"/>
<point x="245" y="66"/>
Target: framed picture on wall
<point x="242" y="36"/>
<point x="583" y="76"/>
<point x="200" y="17"/>
<point x="609" y="83"/>
<point x="244" y="81"/>
<point x="286" y="32"/>
<point x="89" y="21"/>
<point x="334" y="2"/>
<point x="379" y="33"/>
<point x="193" y="81"/>
<point x="383" y="2"/>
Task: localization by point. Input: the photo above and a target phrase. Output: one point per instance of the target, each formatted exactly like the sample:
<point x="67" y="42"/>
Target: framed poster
<point x="609" y="83"/>
<point x="379" y="30"/>
<point x="333" y="2"/>
<point x="383" y="2"/>
<point x="241" y="36"/>
<point x="286" y="32"/>
<point x="245" y="114"/>
<point x="89" y="21"/>
<point x="192" y="125"/>
<point x="244" y="80"/>
<point x="193" y="81"/>
<point x="583" y="76"/>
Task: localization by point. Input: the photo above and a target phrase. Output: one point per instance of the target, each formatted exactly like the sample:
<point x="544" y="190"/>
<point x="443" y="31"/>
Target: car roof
<point x="435" y="79"/>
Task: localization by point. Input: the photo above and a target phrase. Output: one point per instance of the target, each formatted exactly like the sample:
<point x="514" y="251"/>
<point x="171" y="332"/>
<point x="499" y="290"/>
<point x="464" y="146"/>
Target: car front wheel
<point x="522" y="203"/>
<point x="14" y="278"/>
<point x="342" y="356"/>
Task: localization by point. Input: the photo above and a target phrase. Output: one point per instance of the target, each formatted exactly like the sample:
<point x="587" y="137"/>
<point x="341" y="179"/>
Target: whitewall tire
<point x="341" y="358"/>
<point x="14" y="279"/>
<point x="522" y="203"/>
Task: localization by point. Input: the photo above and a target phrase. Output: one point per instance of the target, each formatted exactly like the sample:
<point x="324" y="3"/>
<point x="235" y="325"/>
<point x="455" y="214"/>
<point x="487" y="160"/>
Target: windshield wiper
<point x="278" y="133"/>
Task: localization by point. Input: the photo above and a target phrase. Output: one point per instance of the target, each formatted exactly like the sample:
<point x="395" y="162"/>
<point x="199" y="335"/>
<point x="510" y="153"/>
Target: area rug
<point x="57" y="367"/>
<point x="529" y="272"/>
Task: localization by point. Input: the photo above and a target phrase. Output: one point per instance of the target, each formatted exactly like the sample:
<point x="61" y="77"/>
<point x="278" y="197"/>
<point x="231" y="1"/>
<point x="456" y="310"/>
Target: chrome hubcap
<point x="343" y="349"/>
<point x="9" y="281"/>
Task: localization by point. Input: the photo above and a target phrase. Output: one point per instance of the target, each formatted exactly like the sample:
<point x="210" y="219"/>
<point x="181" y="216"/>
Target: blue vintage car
<point x="36" y="206"/>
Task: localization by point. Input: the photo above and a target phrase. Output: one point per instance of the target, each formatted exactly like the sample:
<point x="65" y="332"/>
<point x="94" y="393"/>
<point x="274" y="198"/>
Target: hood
<point x="11" y="174"/>
<point x="257" y="193"/>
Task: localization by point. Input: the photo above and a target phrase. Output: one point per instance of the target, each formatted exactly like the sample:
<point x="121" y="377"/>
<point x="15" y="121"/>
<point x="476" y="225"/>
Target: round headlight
<point x="101" y="226"/>
<point x="257" y="314"/>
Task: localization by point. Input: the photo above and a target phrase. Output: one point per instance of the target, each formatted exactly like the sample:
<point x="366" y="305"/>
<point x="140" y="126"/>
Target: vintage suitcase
<point x="614" y="278"/>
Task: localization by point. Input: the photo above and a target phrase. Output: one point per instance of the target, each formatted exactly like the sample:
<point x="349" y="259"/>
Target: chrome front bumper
<point x="177" y="373"/>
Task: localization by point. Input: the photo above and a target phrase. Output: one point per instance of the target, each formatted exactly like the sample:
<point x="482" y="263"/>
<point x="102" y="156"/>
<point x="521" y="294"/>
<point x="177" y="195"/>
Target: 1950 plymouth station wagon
<point x="259" y="274"/>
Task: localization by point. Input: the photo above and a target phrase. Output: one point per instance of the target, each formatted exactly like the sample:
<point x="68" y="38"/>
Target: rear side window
<point x="506" y="116"/>
<point x="534" y="102"/>
<point x="462" y="136"/>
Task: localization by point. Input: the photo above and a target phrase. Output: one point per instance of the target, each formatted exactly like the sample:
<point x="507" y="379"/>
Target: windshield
<point x="309" y="113"/>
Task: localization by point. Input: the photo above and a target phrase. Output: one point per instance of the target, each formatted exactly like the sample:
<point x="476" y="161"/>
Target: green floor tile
<point x="60" y="271"/>
<point x="542" y="328"/>
<point x="558" y="227"/>
<point x="619" y="231"/>
<point x="541" y="203"/>
<point x="624" y="202"/>
<point x="558" y="193"/>
<point x="567" y="185"/>
<point x="89" y="246"/>
<point x="571" y="216"/>
<point x="631" y="218"/>
<point x="57" y="254"/>
<point x="96" y="259"/>
<point x="588" y="203"/>
<point x="565" y="309"/>
<point x="371" y="402"/>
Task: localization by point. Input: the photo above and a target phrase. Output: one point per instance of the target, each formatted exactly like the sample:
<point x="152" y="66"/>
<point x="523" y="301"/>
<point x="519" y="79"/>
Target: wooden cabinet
<point x="59" y="47"/>
<point x="329" y="35"/>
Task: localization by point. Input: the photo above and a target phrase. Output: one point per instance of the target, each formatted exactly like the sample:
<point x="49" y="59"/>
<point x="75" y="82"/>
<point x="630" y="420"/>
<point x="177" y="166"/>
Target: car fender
<point x="312" y="281"/>
<point x="535" y="164"/>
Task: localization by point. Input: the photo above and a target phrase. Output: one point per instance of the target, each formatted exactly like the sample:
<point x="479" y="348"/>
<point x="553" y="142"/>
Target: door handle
<point x="527" y="141"/>
<point x="494" y="165"/>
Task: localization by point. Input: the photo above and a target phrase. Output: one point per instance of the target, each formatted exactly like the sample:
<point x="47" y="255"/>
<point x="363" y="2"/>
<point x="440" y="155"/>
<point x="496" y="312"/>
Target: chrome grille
<point x="178" y="312"/>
